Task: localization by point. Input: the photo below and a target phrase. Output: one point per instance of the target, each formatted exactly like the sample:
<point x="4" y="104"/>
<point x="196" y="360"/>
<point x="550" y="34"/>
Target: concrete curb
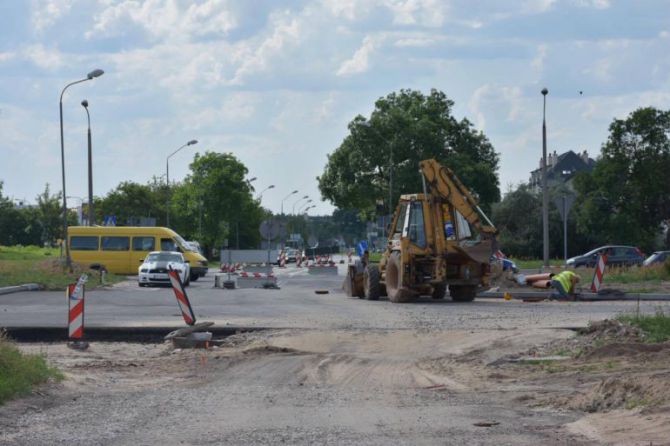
<point x="19" y="288"/>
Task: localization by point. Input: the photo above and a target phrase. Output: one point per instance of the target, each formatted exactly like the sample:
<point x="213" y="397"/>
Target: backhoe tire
<point x="396" y="293"/>
<point x="462" y="293"/>
<point x="439" y="291"/>
<point x="371" y="284"/>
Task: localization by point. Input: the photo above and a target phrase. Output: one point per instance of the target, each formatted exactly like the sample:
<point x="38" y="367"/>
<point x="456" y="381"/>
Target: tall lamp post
<point x="545" y="195"/>
<point x="91" y="218"/>
<point x="92" y="75"/>
<point x="302" y="206"/>
<point x="167" y="176"/>
<point x="306" y="197"/>
<point x="284" y="199"/>
<point x="260" y="196"/>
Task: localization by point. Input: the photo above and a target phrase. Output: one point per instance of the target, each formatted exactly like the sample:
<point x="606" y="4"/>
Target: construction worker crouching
<point x="564" y="283"/>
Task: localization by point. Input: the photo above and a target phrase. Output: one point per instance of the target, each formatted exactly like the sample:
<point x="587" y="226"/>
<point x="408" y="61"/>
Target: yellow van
<point x="121" y="249"/>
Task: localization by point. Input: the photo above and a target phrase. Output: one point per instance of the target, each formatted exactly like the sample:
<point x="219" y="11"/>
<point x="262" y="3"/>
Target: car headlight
<point x="143" y="270"/>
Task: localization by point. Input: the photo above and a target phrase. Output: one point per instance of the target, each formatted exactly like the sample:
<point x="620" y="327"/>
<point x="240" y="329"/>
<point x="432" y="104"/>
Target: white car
<point x="154" y="268"/>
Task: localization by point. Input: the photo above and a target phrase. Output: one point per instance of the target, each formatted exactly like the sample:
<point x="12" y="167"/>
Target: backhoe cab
<point x="437" y="239"/>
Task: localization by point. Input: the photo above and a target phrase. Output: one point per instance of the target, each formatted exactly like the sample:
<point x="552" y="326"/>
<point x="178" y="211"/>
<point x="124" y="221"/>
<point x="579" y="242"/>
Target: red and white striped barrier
<point x="75" y="300"/>
<point x="282" y="262"/>
<point x="599" y="273"/>
<point x="255" y="275"/>
<point x="256" y="280"/>
<point x="182" y="297"/>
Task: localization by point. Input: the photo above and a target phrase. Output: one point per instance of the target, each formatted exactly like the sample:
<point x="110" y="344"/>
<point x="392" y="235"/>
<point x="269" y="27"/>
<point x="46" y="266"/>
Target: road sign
<point x="564" y="204"/>
<point x="110" y="220"/>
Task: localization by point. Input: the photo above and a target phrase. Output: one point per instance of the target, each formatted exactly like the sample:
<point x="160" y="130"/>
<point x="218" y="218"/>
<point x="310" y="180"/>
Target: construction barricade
<point x="256" y="280"/>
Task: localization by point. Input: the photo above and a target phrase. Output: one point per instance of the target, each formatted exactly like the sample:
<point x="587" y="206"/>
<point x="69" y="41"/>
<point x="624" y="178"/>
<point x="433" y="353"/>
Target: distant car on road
<point x="616" y="256"/>
<point x="154" y="268"/>
<point x="656" y="258"/>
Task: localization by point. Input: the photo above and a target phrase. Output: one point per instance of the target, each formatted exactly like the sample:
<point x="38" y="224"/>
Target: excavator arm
<point x="442" y="182"/>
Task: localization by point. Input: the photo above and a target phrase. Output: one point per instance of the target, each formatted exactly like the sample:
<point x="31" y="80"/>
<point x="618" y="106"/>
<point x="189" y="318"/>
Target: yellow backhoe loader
<point x="437" y="239"/>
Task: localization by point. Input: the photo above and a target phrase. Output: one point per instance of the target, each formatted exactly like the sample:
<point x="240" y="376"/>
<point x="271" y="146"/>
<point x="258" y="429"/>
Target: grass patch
<point x="32" y="264"/>
<point x="375" y="257"/>
<point x="535" y="263"/>
<point x="20" y="372"/>
<point x="634" y="274"/>
<point x="655" y="327"/>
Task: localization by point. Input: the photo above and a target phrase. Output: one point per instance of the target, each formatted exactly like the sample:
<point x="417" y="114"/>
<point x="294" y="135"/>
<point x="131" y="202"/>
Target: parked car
<point x="154" y="268"/>
<point x="616" y="256"/>
<point x="656" y="258"/>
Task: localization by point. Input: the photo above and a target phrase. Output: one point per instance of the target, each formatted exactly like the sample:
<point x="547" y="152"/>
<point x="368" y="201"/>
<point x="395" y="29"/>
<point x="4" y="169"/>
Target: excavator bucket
<point x="480" y="252"/>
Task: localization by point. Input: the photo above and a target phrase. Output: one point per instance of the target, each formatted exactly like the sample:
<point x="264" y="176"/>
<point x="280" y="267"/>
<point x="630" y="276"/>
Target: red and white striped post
<point x="75" y="299"/>
<point x="182" y="297"/>
<point x="599" y="273"/>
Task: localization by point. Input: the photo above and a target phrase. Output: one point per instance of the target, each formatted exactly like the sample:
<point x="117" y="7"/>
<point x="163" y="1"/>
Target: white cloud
<point x="538" y="62"/>
<point x="286" y="32"/>
<point x="42" y="57"/>
<point x="359" y="62"/>
<point x="4" y="57"/>
<point x="597" y="4"/>
<point x="430" y="13"/>
<point x="165" y="19"/>
<point x="47" y="12"/>
<point x="415" y="42"/>
<point x="495" y="100"/>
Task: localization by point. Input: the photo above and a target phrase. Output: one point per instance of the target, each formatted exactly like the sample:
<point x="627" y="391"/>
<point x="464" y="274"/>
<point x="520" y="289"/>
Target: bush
<point x="20" y="372"/>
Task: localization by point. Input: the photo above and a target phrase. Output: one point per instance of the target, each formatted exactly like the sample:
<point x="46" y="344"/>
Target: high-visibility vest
<point x="565" y="279"/>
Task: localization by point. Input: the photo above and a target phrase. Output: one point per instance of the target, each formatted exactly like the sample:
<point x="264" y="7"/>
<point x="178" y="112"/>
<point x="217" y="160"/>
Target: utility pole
<point x="545" y="193"/>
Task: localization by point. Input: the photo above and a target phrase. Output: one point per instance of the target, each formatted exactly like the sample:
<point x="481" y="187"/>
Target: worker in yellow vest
<point x="565" y="284"/>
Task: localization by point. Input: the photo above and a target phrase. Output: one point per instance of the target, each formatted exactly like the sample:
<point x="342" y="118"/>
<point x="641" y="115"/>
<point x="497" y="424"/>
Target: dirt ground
<point x="517" y="386"/>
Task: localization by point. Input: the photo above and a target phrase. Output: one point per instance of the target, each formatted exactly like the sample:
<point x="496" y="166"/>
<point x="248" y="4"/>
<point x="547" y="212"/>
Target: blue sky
<point x="276" y="82"/>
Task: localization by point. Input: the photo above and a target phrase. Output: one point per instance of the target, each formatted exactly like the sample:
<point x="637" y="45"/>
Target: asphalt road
<point x="296" y="305"/>
<point x="345" y="370"/>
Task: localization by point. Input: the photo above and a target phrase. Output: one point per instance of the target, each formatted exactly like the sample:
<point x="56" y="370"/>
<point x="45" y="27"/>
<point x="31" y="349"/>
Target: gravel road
<point x="332" y="370"/>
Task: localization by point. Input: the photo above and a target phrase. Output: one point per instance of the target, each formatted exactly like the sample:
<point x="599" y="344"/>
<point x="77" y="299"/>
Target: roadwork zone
<point x="322" y="269"/>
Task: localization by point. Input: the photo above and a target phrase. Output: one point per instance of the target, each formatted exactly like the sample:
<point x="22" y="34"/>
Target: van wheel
<point x="194" y="277"/>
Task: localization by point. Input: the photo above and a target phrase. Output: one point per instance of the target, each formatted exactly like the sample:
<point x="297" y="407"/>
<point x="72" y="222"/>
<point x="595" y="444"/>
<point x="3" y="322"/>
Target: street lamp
<point x="545" y="195"/>
<point x="260" y="196"/>
<point x="92" y="75"/>
<point x="308" y="208"/>
<point x="302" y="206"/>
<point x="167" y="176"/>
<point x="284" y="199"/>
<point x="296" y="202"/>
<point x="91" y="221"/>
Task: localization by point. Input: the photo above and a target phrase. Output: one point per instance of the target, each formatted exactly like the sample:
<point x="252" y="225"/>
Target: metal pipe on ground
<point x="541" y="284"/>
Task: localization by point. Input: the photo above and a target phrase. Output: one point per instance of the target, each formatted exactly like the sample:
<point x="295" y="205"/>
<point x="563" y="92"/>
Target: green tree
<point x="409" y="127"/>
<point x="50" y="212"/>
<point x="130" y="199"/>
<point x="627" y="196"/>
<point x="216" y="196"/>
